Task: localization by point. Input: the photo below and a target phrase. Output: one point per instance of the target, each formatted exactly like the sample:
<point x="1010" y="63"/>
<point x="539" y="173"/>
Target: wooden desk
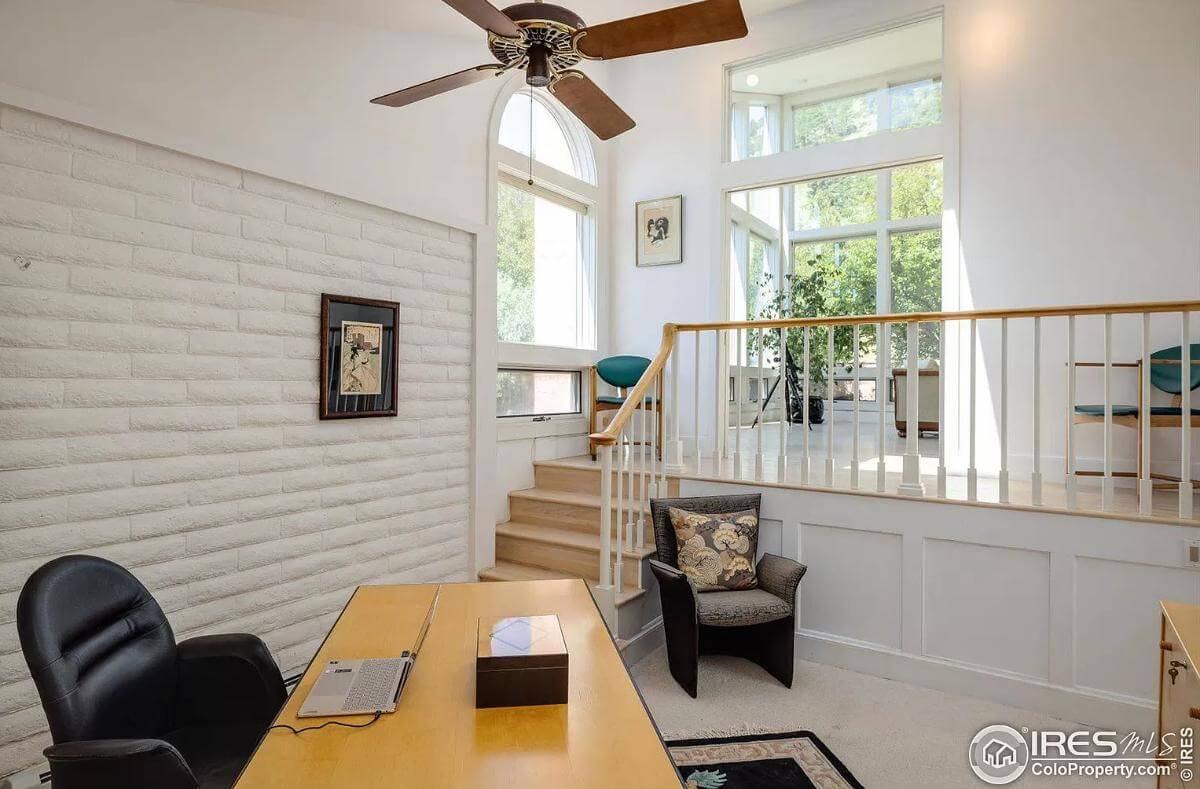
<point x="436" y="738"/>
<point x="1179" y="698"/>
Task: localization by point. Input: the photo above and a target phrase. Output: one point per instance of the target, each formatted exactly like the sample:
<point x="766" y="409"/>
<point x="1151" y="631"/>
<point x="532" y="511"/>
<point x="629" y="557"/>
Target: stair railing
<point x="640" y="475"/>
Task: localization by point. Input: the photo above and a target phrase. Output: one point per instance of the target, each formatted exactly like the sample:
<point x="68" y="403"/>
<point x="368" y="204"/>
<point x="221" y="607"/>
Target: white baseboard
<point x="29" y="778"/>
<point x="1090" y="707"/>
<point x="649" y="638"/>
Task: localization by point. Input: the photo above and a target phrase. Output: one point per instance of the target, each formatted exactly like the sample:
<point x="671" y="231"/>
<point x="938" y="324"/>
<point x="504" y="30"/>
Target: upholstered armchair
<point x="756" y="624"/>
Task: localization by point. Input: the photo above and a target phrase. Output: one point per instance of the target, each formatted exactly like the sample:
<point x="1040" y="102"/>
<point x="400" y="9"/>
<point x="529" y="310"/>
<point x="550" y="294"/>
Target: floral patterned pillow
<point x="717" y="551"/>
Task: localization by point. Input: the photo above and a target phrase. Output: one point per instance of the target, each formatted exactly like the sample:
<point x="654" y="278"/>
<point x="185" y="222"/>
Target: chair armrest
<point x="118" y="764"/>
<point x="780" y="576"/>
<point x="226" y="678"/>
<point x="676" y="590"/>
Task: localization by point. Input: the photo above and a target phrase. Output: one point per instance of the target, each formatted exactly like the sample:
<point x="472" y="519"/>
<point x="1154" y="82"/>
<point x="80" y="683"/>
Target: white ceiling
<point x="434" y="16"/>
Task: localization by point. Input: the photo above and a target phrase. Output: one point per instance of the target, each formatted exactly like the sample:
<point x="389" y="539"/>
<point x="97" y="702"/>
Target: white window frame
<point x="588" y="193"/>
<point x="881" y="151"/>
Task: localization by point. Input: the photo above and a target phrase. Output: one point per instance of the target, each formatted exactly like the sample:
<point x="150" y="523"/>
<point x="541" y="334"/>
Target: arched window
<point x="545" y="231"/>
<point x="556" y="141"/>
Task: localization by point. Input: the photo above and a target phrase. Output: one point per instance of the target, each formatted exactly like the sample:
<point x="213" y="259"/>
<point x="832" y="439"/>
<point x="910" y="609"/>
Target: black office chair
<point x="127" y="706"/>
<point x="756" y="624"/>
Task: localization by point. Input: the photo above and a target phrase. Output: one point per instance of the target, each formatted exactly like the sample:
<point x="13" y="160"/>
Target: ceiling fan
<point x="547" y="41"/>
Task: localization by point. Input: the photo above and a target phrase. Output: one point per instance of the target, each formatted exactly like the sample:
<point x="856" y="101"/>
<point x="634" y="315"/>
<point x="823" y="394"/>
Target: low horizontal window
<point x="527" y="393"/>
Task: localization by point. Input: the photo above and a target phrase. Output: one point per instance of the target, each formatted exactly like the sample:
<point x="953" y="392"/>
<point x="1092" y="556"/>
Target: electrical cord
<point x="327" y="723"/>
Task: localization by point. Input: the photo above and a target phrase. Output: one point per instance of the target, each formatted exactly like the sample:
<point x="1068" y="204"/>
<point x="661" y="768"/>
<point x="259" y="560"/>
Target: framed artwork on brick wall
<point x="360" y="341"/>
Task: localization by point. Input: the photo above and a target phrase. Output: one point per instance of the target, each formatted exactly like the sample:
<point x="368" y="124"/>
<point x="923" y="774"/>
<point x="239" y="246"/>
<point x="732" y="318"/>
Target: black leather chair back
<point x="100" y="650"/>
<point x="664" y="532"/>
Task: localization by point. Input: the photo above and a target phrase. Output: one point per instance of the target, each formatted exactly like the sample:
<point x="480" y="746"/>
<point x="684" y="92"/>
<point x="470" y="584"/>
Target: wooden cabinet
<point x="1179" y="685"/>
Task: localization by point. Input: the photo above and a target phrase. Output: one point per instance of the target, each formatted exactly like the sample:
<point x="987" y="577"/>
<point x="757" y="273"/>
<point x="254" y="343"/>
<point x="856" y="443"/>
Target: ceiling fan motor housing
<point x="546" y="43"/>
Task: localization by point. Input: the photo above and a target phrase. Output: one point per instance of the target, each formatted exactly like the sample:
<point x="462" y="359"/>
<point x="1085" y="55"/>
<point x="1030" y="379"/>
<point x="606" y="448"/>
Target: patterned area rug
<point x="760" y="761"/>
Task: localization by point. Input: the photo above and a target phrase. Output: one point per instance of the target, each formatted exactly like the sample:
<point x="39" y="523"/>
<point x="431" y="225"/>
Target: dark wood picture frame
<point x="334" y="405"/>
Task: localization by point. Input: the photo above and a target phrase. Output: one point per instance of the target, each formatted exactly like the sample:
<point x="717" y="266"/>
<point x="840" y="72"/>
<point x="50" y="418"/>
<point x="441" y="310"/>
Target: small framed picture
<point x="360" y="340"/>
<point x="659" y="231"/>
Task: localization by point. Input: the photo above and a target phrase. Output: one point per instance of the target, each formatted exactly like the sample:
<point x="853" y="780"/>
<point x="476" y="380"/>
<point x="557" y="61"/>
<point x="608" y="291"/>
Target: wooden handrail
<point x="610" y="434"/>
<point x="634" y="396"/>
<point x="935" y="317"/>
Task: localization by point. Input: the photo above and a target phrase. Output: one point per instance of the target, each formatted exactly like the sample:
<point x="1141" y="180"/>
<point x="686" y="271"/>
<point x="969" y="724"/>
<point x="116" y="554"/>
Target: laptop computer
<point x="365" y="686"/>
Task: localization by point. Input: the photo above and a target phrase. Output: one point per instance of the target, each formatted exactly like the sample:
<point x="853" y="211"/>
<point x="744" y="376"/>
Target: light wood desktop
<point x="436" y="738"/>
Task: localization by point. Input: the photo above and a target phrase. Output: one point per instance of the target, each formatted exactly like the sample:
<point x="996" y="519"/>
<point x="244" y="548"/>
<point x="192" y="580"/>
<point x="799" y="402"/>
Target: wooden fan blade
<point x="435" y="86"/>
<point x="591" y="105"/>
<point x="673" y="28"/>
<point x="484" y="14"/>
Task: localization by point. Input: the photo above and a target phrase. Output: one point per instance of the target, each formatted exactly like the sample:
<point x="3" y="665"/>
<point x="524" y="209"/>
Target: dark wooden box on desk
<point x="521" y="661"/>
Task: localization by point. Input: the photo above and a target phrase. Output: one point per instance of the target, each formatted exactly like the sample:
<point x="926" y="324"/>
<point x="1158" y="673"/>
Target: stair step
<point x="564" y="550"/>
<point x="538" y="532"/>
<point x="576" y="511"/>
<point x="515" y="571"/>
<point x="579" y="476"/>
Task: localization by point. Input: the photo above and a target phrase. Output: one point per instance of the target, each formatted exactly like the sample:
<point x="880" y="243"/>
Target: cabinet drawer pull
<point x="1194" y="713"/>
<point x="1166" y="646"/>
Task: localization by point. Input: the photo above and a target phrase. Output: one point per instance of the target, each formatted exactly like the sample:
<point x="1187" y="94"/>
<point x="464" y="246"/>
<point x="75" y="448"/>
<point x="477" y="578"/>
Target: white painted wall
<point x="1077" y="155"/>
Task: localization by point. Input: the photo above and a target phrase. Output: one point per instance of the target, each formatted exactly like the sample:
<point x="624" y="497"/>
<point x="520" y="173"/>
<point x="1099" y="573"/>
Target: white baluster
<point x="762" y="402"/>
<point x="622" y="460"/>
<point x="1185" y="451"/>
<point x="696" y="410"/>
<point x="829" y="413"/>
<point x="854" y="440"/>
<point x="1035" y="480"/>
<point x="677" y="439"/>
<point x="1072" y="482"/>
<point x="738" y="395"/>
<point x="655" y="465"/>
<point x="882" y="354"/>
<point x="637" y="524"/>
<point x="806" y="461"/>
<point x="972" y="473"/>
<point x="606" y="468"/>
<point x="1145" y="483"/>
<point x="622" y="526"/>
<point x="727" y="339"/>
<point x="719" y="418"/>
<point x="1004" y="410"/>
<point x="910" y="484"/>
<point x="941" y="470"/>
<point x="1106" y="485"/>
<point x="782" y="389"/>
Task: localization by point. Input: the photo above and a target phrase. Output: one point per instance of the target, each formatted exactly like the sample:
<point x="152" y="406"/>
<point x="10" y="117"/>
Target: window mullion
<point x="883" y="244"/>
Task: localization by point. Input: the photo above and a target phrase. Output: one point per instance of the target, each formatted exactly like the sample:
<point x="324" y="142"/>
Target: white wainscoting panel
<point x="864" y="605"/>
<point x="1049" y="612"/>
<point x="976" y="594"/>
<point x="1122" y="630"/>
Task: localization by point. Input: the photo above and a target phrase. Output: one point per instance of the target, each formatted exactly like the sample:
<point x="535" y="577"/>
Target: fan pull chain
<point x="531" y="135"/>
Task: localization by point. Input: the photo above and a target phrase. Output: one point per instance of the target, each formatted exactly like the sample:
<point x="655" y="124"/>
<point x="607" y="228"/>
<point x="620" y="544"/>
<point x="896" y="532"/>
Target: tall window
<point x="885" y="81"/>
<point x="856" y="244"/>
<point x="544" y="230"/>
<point x="859" y="242"/>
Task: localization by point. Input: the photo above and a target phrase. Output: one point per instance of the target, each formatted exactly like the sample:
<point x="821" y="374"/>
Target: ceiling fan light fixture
<point x="537" y="72"/>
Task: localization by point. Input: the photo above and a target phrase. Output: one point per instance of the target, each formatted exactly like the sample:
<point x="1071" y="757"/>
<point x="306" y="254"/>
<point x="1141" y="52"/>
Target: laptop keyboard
<point x="372" y="686"/>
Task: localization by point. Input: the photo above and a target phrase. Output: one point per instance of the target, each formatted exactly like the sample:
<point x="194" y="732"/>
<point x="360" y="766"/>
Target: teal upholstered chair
<point x="1166" y="376"/>
<point x="622" y="373"/>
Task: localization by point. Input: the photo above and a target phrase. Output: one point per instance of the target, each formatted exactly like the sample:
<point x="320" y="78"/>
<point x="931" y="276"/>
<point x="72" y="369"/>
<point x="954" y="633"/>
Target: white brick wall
<point x="158" y="346"/>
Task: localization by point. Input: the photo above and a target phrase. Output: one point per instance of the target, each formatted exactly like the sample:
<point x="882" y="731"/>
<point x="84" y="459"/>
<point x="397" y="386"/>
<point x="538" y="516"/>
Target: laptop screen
<point x="427" y="622"/>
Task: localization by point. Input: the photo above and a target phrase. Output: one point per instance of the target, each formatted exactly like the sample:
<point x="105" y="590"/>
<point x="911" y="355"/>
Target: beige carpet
<point x="890" y="734"/>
